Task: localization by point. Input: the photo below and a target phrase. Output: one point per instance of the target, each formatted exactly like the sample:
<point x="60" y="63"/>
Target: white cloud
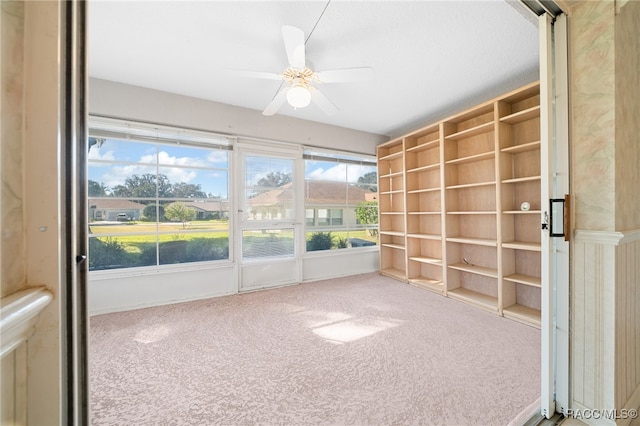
<point x="355" y="171"/>
<point x="118" y="174"/>
<point x="217" y="157"/>
<point x="334" y="173"/>
<point x="95" y="154"/>
<point x="176" y="175"/>
<point x="338" y="173"/>
<point x="166" y="159"/>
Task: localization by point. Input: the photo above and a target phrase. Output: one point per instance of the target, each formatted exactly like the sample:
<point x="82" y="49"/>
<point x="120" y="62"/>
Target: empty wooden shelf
<point x="460" y="206"/>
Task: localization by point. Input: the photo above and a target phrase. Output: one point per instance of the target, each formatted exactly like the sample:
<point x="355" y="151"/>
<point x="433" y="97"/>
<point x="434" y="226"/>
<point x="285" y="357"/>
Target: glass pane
<point x="326" y="193"/>
<point x="192" y="247"/>
<point x="320" y="240"/>
<point x="343" y="195"/>
<point x="181" y="182"/>
<point x="121" y="252"/>
<point x="362" y="174"/>
<point x="269" y="191"/>
<point x="177" y="216"/>
<point x="325" y="170"/>
<point x="117" y="180"/>
<point x="266" y="173"/>
<point x="192" y="156"/>
<point x="358" y="194"/>
<point x="209" y="213"/>
<point x="367" y="213"/>
<point x="263" y="243"/>
<point x="271" y="205"/>
<point x="363" y="237"/>
<point x="141" y="214"/>
<point x="116" y="215"/>
<point x="101" y="149"/>
<point x="339" y="238"/>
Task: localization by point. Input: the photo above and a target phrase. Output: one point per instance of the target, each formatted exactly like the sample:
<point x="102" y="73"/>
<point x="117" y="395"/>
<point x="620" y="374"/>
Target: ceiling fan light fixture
<point x="299" y="96"/>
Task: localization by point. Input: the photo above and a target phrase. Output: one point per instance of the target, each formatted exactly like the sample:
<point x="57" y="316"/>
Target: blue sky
<point x="115" y="160"/>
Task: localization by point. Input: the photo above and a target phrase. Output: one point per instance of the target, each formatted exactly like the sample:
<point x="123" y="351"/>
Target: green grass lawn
<point x="140" y="237"/>
<point x="169" y="231"/>
<point x="138" y="246"/>
<point x="142" y="227"/>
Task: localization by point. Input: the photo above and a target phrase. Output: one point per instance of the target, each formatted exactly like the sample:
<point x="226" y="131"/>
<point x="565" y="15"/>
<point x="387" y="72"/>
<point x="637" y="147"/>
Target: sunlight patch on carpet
<point x="152" y="334"/>
<point x="354" y="329"/>
<point x="314" y="319"/>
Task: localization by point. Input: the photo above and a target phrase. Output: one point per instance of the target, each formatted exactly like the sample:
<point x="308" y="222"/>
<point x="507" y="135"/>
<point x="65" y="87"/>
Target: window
<point x="324" y="217"/>
<point x="268" y="211"/>
<point x="341" y="207"/>
<point x="157" y="196"/>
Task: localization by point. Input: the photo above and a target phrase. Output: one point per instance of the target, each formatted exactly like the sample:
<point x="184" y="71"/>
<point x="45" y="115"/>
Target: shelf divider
<point x="480" y="299"/>
<point x="480" y="270"/>
<point x="424" y="259"/>
<point x="520" y="116"/>
<point x="524" y="279"/>
<point x="477" y="130"/>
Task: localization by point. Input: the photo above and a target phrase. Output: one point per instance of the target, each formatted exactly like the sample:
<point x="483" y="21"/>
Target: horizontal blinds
<point x="337" y="157"/>
<point x="109" y="128"/>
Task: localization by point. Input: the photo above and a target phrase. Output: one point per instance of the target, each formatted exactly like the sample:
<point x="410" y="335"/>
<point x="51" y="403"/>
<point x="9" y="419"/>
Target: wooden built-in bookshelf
<point x="451" y="215"/>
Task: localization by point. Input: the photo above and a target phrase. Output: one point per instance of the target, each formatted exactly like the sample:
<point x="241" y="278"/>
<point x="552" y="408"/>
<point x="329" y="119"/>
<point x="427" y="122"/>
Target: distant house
<point x="327" y="203"/>
<point x="210" y="209"/>
<point x="110" y="209"/>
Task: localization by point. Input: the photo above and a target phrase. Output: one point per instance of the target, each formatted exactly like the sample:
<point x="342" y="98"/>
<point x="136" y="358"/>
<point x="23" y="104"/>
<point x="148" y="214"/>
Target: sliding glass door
<point x="554" y="114"/>
<point x="267" y="214"/>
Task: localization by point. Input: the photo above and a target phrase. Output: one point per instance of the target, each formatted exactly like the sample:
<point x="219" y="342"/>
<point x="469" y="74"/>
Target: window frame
<point x="158" y="136"/>
<point x="337" y="157"/>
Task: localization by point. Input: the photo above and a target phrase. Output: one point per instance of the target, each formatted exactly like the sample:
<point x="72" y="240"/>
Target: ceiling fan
<point x="301" y="81"/>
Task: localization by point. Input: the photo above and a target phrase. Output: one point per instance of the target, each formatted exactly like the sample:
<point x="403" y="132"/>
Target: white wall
<point x="319" y="266"/>
<point x="137" y="103"/>
<point x="111" y="291"/>
<point x="118" y="291"/>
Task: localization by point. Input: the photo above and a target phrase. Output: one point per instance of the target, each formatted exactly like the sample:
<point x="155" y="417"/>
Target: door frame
<point x="247" y="147"/>
<point x="554" y="158"/>
<point x="73" y="251"/>
<point x="555" y="370"/>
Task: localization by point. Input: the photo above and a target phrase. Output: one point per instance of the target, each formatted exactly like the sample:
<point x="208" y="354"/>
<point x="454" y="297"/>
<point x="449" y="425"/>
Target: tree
<point x="120" y="191"/>
<point x="149" y="212"/>
<point x="369" y="181"/>
<point x="144" y="186"/>
<point x="367" y="214"/>
<point x="95" y="141"/>
<point x="275" y="180"/>
<point x="97" y="189"/>
<point x="180" y="212"/>
<point x="187" y="190"/>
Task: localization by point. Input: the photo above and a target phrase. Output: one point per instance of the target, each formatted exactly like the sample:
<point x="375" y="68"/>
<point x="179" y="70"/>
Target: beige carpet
<point x="363" y="350"/>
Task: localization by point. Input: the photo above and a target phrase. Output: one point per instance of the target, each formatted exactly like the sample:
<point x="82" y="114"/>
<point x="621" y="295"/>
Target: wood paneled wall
<point x="605" y="318"/>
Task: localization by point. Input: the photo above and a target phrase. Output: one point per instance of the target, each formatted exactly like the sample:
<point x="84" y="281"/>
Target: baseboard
<point x="632" y="404"/>
<point x="529" y="413"/>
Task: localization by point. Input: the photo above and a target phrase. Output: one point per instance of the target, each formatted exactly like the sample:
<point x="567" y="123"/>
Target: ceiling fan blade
<point x="323" y="102"/>
<point x="256" y="74"/>
<point x="276" y="103"/>
<point x="362" y="74"/>
<point x="294" y="45"/>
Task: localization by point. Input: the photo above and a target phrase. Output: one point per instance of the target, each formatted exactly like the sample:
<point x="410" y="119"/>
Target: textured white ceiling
<point x="429" y="58"/>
